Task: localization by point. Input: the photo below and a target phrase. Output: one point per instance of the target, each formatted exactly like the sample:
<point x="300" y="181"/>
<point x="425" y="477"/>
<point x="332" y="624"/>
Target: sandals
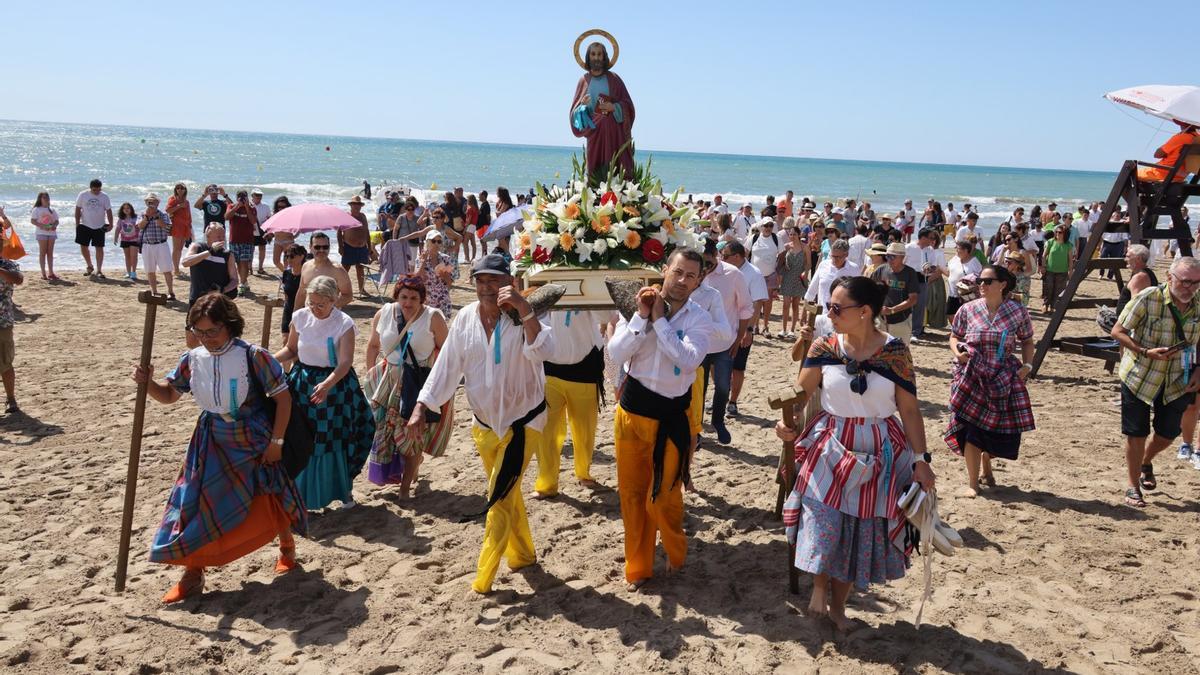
<point x="1148" y="480"/>
<point x="1133" y="497"/>
<point x="189" y="586"/>
<point x="287" y="560"/>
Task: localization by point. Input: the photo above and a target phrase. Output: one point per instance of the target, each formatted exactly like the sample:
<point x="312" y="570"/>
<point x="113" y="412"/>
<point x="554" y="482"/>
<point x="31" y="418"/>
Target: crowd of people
<point x="532" y="376"/>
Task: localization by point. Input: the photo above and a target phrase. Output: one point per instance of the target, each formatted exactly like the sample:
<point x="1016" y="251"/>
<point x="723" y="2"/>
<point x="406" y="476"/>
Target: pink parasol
<point x="310" y="218"/>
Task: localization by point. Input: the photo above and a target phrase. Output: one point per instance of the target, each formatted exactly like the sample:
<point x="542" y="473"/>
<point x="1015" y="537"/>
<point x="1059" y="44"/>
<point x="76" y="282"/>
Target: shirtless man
<point x="320" y="265"/>
<point x="355" y="244"/>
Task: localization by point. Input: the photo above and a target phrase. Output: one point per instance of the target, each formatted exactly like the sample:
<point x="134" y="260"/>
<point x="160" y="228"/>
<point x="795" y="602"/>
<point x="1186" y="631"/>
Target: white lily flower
<point x="584" y="250"/>
<point x="658" y="215"/>
<point x="631" y="194"/>
<point x="661" y="236"/>
<point x="546" y="240"/>
<point x="619" y="230"/>
<point x="634" y="223"/>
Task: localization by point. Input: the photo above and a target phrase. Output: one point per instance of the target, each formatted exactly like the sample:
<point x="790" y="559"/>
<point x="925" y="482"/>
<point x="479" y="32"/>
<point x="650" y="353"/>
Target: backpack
<point x="774" y="238"/>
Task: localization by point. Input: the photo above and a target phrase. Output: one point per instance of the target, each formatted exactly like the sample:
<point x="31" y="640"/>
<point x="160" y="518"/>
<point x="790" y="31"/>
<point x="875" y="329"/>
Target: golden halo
<point x="616" y="48"/>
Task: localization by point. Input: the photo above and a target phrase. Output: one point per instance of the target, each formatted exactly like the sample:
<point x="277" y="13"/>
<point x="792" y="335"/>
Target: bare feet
<point x="633" y="586"/>
<point x="405" y="492"/>
<point x="970" y="491"/>
<point x="544" y="495"/>
<point x="840" y="621"/>
<point x="818" y="606"/>
<point x="589" y="483"/>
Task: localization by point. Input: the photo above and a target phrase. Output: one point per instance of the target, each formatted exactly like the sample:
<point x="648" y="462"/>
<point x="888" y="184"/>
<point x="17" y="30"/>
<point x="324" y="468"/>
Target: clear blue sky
<point x="1011" y="83"/>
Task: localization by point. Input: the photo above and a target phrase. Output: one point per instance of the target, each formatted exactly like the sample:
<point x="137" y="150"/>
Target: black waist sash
<point x="671" y="414"/>
<point x="590" y="369"/>
<point x="510" y="462"/>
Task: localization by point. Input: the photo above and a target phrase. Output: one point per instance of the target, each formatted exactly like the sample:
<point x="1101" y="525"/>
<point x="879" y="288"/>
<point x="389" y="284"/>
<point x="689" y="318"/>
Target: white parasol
<point x="1168" y="101"/>
<point x="506" y="223"/>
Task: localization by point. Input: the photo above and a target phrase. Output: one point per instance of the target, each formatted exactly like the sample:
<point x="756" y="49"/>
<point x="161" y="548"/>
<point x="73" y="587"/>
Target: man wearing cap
<point x="574" y="389"/>
<point x="902" y="282"/>
<point x="501" y="367"/>
<point x="738" y="309"/>
<point x="354" y="244"/>
<point x="262" y="212"/>
<point x="662" y="344"/>
<point x="909" y="214"/>
<point x="155" y="227"/>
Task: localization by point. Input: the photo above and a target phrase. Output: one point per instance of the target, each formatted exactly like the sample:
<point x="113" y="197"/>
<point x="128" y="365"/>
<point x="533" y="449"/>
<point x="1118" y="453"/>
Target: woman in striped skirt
<point x="406" y="336"/>
<point x="856" y="456"/>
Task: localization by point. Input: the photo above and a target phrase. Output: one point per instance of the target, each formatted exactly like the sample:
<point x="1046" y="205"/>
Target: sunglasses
<point x="988" y="281"/>
<point x="209" y="333"/>
<point x="436" y="241"/>
<point x="834" y="309"/>
<point x="858" y="385"/>
<point x="321" y="248"/>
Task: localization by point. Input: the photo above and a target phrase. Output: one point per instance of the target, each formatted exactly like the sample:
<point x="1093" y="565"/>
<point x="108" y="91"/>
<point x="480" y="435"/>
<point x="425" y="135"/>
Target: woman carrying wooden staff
<point x="232" y="495"/>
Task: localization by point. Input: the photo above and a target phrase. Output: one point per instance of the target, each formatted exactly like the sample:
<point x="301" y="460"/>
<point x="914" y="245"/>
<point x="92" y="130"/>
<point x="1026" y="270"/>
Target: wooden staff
<point x="268" y="304"/>
<point x="788" y="401"/>
<point x="152" y="302"/>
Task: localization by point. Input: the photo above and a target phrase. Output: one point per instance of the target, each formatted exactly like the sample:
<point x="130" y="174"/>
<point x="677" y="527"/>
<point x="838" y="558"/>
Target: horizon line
<point x="560" y="147"/>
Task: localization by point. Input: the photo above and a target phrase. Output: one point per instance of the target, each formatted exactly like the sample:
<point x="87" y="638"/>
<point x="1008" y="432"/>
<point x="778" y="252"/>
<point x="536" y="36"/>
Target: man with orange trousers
<point x="662" y="345"/>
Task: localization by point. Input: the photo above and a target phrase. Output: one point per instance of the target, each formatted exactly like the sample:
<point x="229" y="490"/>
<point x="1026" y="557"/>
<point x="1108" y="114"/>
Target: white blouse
<point x="879" y="400"/>
<point x="418" y="334"/>
<point x="317" y="345"/>
<point x="503" y="377"/>
<point x="576" y="333"/>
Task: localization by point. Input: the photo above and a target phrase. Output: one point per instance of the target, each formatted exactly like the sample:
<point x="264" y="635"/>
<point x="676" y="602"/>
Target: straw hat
<point x="152" y="197"/>
<point x="896" y="248"/>
<point x="877" y="249"/>
<point x="356" y="200"/>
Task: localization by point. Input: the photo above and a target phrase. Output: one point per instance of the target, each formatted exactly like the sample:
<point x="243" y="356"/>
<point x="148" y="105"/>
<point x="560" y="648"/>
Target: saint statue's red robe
<point x="608" y="135"/>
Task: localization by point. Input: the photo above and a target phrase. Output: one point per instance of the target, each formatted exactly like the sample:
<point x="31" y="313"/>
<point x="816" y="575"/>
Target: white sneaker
<point x="1196" y="460"/>
<point x="1185" y="452"/>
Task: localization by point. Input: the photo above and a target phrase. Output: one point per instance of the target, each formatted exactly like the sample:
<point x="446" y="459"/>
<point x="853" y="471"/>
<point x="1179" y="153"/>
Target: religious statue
<point x="602" y="111"/>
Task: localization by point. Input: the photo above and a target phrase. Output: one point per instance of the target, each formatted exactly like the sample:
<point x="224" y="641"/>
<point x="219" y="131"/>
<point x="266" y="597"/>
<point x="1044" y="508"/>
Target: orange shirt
<point x="181" y="221"/>
<point x="1172" y="149"/>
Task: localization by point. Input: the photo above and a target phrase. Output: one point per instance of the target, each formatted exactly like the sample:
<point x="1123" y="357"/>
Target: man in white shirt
<point x="836" y="266"/>
<point x="729" y="282"/>
<point x="858" y="245"/>
<point x="574" y="382"/>
<point x="662" y="345"/>
<point x="500" y="365"/>
<point x="735" y="254"/>
<point x="263" y="211"/>
<point x="952" y="216"/>
<point x="930" y="265"/>
<point x="742" y="222"/>
<point x="719" y="207"/>
<point x="764" y="249"/>
<point x="93" y="213"/>
<point x="964" y="233"/>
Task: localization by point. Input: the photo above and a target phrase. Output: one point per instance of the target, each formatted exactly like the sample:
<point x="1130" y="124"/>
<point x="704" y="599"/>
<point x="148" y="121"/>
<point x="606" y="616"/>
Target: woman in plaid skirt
<point x="856" y="455"/>
<point x="232" y="495"/>
<point x="989" y="401"/>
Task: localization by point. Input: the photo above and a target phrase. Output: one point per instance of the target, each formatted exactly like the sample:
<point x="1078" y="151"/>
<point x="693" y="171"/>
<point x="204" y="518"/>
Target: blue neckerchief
<point x="496" y="342"/>
<point x="332" y="352"/>
<point x="679" y="333"/>
<point x="569" y="313"/>
<point x="233" y="391"/>
<point x="1000" y="347"/>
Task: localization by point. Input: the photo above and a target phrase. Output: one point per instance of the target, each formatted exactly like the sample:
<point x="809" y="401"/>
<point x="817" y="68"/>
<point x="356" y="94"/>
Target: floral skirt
<point x="848" y="549"/>
<point x="385" y="464"/>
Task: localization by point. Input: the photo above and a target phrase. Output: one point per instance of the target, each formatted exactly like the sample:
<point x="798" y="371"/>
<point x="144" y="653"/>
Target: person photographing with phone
<point x="243" y="218"/>
<point x="1158" y="330"/>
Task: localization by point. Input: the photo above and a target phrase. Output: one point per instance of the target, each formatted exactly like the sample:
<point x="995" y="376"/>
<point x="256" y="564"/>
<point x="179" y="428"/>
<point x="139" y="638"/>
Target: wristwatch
<point x="277" y="441"/>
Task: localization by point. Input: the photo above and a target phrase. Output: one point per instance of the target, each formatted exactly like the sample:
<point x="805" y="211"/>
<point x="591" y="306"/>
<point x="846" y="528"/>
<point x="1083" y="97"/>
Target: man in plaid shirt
<point x="1158" y="329"/>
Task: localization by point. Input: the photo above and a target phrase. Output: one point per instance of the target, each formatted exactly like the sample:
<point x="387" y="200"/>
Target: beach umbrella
<point x="310" y="218"/>
<point x="1168" y="101"/>
<point x="505" y="224"/>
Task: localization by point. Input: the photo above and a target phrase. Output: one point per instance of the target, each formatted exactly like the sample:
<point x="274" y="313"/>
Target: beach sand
<point x="1056" y="574"/>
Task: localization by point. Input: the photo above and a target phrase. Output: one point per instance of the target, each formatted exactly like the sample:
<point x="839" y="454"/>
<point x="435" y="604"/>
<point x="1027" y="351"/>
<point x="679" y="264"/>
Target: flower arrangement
<point x="619" y="223"/>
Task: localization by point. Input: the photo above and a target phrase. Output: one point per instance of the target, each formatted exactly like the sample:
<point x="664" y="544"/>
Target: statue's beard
<point x="597" y="66"/>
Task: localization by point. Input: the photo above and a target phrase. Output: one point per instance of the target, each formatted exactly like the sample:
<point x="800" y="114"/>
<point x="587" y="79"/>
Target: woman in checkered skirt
<point x="856" y="455"/>
<point x="989" y="402"/>
<point x="321" y="342"/>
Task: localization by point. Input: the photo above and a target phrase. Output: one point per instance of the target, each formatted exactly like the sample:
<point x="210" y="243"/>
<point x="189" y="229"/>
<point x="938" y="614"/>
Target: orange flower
<point x="669" y="226"/>
<point x="633" y="239"/>
<point x="601" y="225"/>
<point x="567" y="241"/>
<point x="525" y="241"/>
<point x="632" y="211"/>
<point x="541" y="206"/>
<point x="572" y="211"/>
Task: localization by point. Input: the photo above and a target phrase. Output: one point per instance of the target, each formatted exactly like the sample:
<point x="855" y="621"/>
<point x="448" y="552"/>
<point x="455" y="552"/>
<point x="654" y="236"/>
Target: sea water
<point x="132" y="161"/>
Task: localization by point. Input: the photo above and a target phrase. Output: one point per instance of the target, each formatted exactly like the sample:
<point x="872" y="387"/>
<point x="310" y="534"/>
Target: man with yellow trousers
<point x="500" y="365"/>
<point x="574" y="382"/>
<point x="662" y="345"/>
